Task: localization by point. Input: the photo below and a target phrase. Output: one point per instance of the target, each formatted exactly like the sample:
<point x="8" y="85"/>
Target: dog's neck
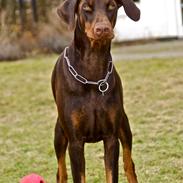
<point x="91" y="58"/>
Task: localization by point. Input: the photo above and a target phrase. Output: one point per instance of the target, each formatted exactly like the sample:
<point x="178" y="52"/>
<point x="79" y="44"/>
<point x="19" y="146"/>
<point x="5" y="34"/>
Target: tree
<point x="2" y="14"/>
<point x="34" y="10"/>
<point x="10" y="12"/>
<point x="43" y="11"/>
<point x="22" y="10"/>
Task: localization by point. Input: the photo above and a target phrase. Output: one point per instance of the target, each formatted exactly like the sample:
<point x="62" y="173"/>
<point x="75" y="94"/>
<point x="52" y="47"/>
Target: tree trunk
<point x="10" y="12"/>
<point x="43" y="10"/>
<point x="34" y="10"/>
<point x="22" y="10"/>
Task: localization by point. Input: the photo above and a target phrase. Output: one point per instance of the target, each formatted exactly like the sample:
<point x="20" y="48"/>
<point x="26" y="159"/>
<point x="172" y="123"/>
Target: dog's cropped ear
<point x="67" y="12"/>
<point x="130" y="8"/>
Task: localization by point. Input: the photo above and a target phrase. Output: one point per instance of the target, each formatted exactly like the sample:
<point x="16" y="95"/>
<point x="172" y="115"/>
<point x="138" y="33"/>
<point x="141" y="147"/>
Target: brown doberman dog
<point x="88" y="90"/>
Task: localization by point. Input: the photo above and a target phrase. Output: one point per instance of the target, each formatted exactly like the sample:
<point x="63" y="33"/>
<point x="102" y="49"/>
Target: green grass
<point x="153" y="95"/>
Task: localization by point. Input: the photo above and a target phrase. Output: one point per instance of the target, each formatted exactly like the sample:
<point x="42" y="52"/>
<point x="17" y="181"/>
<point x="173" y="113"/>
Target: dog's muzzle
<point x="103" y="31"/>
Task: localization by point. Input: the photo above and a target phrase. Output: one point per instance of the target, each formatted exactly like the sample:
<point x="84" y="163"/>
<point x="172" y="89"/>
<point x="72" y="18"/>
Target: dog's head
<point x="96" y="18"/>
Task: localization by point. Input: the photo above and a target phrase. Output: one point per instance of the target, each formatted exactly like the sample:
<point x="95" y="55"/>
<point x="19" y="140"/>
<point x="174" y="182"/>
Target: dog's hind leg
<point x="125" y="137"/>
<point x="60" y="143"/>
<point x="111" y="147"/>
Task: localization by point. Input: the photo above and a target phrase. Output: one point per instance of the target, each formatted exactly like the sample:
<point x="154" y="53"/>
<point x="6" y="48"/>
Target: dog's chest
<point x="95" y="118"/>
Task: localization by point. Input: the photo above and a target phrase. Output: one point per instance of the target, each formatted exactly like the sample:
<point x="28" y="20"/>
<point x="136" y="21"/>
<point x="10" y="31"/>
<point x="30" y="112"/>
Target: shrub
<point x="50" y="40"/>
<point x="47" y="37"/>
<point x="53" y="37"/>
<point x="10" y="51"/>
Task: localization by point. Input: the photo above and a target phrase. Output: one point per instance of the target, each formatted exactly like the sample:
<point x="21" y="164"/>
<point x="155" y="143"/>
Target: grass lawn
<point x="153" y="95"/>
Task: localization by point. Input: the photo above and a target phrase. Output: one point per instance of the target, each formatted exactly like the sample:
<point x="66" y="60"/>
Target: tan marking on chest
<point x="112" y="114"/>
<point x="76" y="117"/>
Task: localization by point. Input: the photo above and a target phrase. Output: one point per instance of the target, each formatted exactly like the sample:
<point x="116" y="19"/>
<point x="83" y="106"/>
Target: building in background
<point x="159" y="19"/>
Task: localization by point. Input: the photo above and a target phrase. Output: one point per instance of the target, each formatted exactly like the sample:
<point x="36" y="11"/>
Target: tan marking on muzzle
<point x="100" y="29"/>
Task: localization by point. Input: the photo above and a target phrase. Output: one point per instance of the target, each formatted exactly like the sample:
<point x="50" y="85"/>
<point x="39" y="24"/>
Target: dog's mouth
<point x="101" y="38"/>
<point x="99" y="42"/>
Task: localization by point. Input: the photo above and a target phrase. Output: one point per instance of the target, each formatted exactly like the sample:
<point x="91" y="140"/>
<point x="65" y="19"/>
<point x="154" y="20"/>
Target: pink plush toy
<point x="32" y="178"/>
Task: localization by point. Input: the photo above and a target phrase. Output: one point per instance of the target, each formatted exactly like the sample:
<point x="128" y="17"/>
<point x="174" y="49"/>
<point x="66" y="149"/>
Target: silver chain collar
<point x="103" y="85"/>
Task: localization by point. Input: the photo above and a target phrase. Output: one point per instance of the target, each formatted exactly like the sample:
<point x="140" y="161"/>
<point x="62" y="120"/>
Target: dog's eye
<point x="87" y="8"/>
<point x="111" y="6"/>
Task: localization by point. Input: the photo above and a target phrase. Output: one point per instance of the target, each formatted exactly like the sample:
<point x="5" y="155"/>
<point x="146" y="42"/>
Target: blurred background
<point x="32" y="26"/>
<point x="148" y="56"/>
<point x="159" y="19"/>
<point x="29" y="27"/>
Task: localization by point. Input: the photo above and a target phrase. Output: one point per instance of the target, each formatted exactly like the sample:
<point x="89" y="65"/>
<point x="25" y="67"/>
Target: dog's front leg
<point x="125" y="137"/>
<point x="76" y="153"/>
<point x="60" y="143"/>
<point x="111" y="147"/>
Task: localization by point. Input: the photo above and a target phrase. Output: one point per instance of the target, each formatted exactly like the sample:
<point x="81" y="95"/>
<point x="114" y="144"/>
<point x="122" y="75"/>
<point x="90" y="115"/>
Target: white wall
<point x="179" y="19"/>
<point x="159" y="18"/>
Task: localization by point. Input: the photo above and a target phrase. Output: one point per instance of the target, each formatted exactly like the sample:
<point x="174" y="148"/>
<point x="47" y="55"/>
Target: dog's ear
<point x="67" y="12"/>
<point x="130" y="8"/>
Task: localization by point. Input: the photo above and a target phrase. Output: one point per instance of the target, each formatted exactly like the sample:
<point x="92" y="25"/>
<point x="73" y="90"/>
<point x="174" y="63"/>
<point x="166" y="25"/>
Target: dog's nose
<point x="101" y="30"/>
<point x="106" y="30"/>
<point x="98" y="30"/>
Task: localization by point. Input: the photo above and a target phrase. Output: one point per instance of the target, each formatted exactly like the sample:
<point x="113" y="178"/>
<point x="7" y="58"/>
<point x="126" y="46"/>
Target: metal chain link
<point x="83" y="80"/>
